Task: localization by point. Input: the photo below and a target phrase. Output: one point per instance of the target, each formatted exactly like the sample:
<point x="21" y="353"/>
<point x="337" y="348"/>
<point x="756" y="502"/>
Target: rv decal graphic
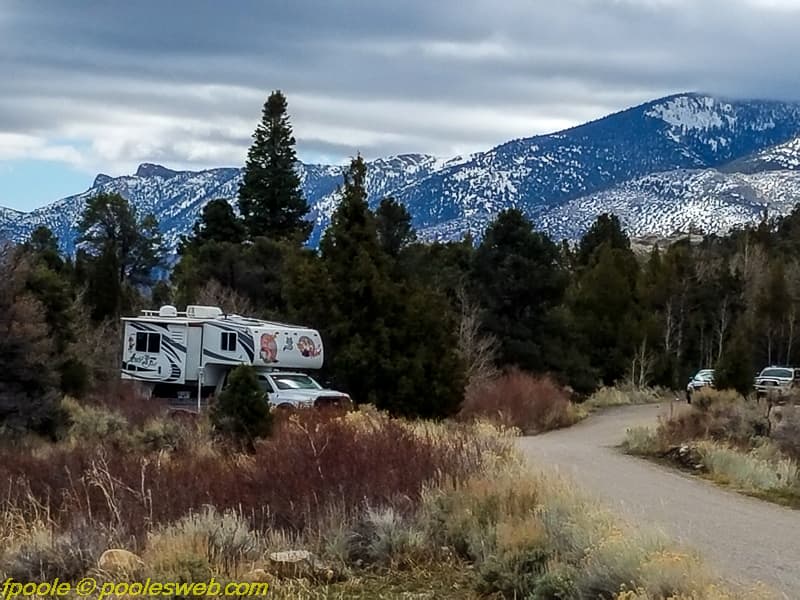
<point x="143" y="361"/>
<point x="307" y="346"/>
<point x="269" y="348"/>
<point x="288" y="344"/>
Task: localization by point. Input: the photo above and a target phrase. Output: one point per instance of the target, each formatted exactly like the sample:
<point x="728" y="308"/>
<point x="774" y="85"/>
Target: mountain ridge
<point x="718" y="160"/>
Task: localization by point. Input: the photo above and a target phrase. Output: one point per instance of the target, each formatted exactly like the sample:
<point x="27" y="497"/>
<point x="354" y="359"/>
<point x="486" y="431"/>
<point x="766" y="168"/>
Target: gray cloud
<point x="106" y="85"/>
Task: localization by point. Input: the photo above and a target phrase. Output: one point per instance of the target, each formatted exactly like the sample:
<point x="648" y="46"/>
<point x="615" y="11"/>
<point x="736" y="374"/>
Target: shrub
<point x="748" y="470"/>
<point x="160" y="434"/>
<point x="46" y="554"/>
<point x="722" y="416"/>
<point x="623" y="395"/>
<point x="241" y="413"/>
<point x="641" y="441"/>
<point x="205" y="539"/>
<point x="786" y="430"/>
<point x="518" y="399"/>
<point x="89" y="423"/>
<point x="383" y="535"/>
<point x="312" y="462"/>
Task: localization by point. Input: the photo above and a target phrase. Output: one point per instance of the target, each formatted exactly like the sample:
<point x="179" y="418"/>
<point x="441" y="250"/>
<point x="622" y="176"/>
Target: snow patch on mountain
<point x="690" y="112"/>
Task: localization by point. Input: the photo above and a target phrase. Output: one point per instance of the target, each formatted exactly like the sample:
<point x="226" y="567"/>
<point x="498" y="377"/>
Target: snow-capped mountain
<point x="690" y="131"/>
<point x="689" y="160"/>
<point x="176" y="198"/>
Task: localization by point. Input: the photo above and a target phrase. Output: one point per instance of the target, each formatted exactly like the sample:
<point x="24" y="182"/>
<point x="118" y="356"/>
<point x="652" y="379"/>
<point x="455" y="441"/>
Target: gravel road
<point x="745" y="539"/>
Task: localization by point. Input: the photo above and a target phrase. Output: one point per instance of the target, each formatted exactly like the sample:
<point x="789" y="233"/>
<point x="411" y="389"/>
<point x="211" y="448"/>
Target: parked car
<point x="703" y="378"/>
<point x="777" y="381"/>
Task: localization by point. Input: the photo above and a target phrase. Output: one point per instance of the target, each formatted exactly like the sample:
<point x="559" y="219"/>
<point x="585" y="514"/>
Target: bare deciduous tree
<point x="478" y="350"/>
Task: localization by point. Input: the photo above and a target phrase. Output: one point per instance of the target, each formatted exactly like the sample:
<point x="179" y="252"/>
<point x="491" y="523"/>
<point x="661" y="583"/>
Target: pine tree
<point x="217" y="223"/>
<point x="28" y="386"/>
<point x="241" y="413"/>
<point x="392" y="341"/>
<point x="606" y="230"/>
<point x="394" y="226"/>
<point x="734" y="370"/>
<point x="362" y="289"/>
<point x="119" y="251"/>
<point x="270" y="199"/>
<point x="606" y="313"/>
<point x="518" y="280"/>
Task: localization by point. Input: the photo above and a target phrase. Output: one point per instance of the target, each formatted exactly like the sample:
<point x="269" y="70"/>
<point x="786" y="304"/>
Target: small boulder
<point x="296" y="564"/>
<point x="117" y="560"/>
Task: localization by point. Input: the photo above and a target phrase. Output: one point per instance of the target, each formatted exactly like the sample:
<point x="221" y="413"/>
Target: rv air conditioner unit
<point x="168" y="311"/>
<point x="194" y="311"/>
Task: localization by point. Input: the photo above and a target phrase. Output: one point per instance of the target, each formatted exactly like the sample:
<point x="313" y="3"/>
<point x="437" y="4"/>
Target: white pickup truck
<point x="297" y="390"/>
<point x="777" y="381"/>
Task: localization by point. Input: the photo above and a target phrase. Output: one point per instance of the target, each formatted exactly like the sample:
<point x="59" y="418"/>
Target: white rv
<point x="188" y="355"/>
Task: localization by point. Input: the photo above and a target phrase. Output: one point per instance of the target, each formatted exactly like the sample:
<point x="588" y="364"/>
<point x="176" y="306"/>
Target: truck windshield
<point x="295" y="382"/>
<point x="782" y="373"/>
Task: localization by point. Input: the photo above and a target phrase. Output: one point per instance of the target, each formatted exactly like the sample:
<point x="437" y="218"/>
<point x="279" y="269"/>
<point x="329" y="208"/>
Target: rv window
<point x="148" y="342"/>
<point x="228" y="342"/>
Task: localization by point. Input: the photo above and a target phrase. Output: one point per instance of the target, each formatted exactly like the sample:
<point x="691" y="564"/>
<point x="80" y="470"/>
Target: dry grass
<point x="518" y="399"/>
<point x="393" y="509"/>
<point x="626" y="394"/>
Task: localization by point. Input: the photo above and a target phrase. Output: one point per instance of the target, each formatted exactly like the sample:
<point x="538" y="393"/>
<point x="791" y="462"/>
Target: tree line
<point x="407" y="325"/>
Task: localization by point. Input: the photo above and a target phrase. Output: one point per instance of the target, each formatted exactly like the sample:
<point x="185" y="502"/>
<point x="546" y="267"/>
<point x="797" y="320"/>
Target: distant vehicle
<point x="777" y="381"/>
<point x="179" y="356"/>
<point x="703" y="378"/>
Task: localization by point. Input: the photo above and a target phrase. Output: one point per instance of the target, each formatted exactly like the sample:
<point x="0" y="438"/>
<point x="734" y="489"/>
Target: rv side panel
<point x="154" y="351"/>
<point x="194" y="351"/>
<point x="226" y="343"/>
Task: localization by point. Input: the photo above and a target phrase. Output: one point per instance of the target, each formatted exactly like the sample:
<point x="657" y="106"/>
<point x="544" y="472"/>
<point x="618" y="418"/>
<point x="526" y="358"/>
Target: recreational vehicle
<point x="188" y="355"/>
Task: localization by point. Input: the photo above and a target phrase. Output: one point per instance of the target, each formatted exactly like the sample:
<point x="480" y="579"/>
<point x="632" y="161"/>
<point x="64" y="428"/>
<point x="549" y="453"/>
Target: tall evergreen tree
<point x="519" y="282"/>
<point x="394" y="226"/>
<point x="606" y="230"/>
<point x="270" y="199"/>
<point x="392" y="341"/>
<point x="606" y="313"/>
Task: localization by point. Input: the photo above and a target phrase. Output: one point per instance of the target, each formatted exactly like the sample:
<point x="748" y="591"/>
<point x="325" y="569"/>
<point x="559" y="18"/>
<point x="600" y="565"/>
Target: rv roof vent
<point x="167" y="311"/>
<point x="203" y="312"/>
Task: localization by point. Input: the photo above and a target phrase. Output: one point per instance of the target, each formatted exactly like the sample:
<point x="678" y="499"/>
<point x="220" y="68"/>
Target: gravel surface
<point x="745" y="539"/>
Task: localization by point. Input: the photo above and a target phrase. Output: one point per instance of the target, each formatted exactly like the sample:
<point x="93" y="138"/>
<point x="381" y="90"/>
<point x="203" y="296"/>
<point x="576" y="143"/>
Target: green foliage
<point x="120" y="251"/>
<point x="392" y="341"/>
<point x="518" y="281"/>
<point x="28" y="386"/>
<point x="735" y="367"/>
<point x="605" y="231"/>
<point x="270" y="198"/>
<point x="605" y="311"/>
<point x="393" y="223"/>
<point x="241" y="413"/>
<point x="217" y="223"/>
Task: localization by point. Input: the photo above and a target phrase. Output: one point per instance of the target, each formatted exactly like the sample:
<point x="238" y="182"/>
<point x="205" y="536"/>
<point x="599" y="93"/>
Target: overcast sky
<point x="100" y="86"/>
